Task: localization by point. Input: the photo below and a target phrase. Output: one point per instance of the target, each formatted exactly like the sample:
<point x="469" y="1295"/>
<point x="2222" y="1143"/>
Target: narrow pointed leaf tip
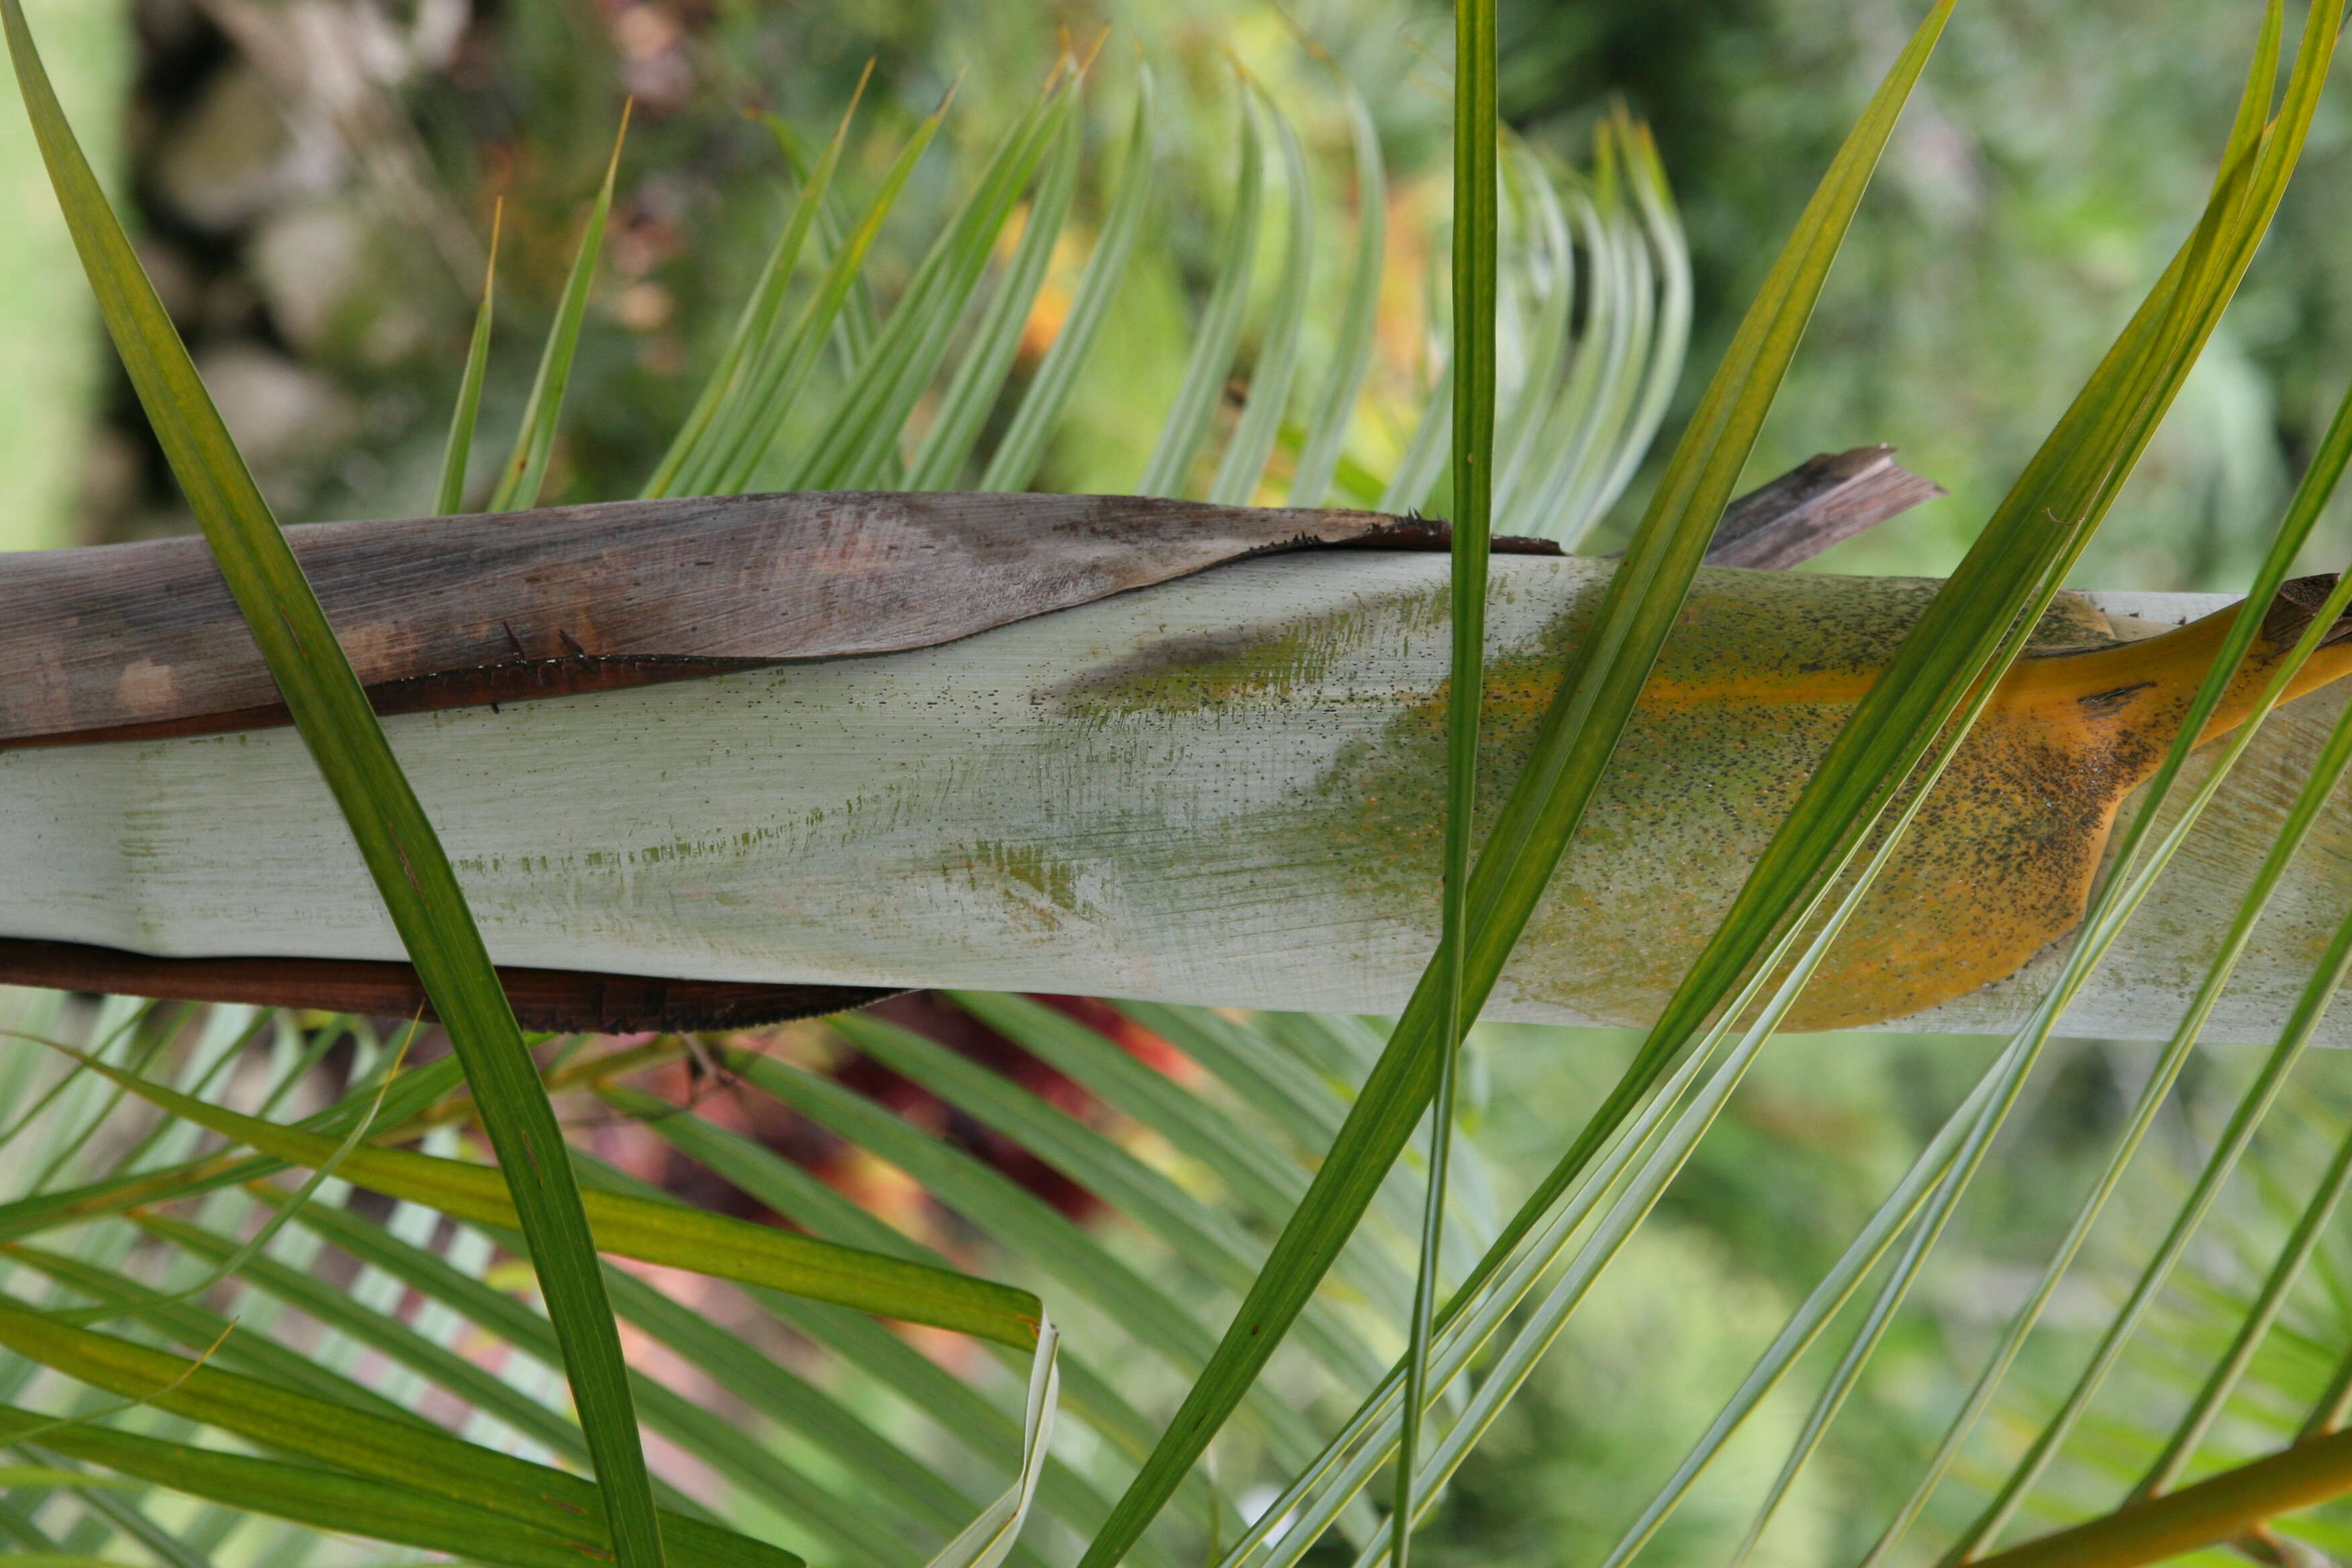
<point x="450" y="497"/>
<point x="988" y="1539"/>
<point x="526" y="471"/>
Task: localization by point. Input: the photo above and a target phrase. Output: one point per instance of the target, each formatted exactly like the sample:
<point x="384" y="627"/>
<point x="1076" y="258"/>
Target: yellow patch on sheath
<point x="1760" y="674"/>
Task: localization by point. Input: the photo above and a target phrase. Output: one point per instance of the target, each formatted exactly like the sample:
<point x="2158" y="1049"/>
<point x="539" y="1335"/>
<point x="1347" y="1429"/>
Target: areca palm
<point x="1262" y="1191"/>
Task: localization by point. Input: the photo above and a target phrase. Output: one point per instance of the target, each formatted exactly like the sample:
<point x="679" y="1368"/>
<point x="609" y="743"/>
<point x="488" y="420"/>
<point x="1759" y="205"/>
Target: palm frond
<point x="391" y="1374"/>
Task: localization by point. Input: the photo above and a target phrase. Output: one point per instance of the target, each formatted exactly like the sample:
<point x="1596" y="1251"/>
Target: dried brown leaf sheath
<point x="131" y="641"/>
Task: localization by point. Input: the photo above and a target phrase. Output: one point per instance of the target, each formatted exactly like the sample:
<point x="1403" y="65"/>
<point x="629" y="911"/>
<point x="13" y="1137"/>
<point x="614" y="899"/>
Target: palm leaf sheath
<point x="1038" y="744"/>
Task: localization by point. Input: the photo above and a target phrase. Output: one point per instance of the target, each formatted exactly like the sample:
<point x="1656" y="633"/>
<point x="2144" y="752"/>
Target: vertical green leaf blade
<point x="1015" y="459"/>
<point x="526" y="471"/>
<point x="1277" y="362"/>
<point x="450" y="497"/>
<point x="756" y="331"/>
<point x="1219" y="331"/>
<point x="1477" y="241"/>
<point x="402" y="854"/>
<point x="1352" y="357"/>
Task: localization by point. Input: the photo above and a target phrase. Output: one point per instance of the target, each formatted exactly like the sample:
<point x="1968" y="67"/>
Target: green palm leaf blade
<point x="411" y="1093"/>
<point x="807" y="1202"/>
<point x="1541" y="292"/>
<point x="993" y="1535"/>
<point x="755" y="331"/>
<point x="312" y="1497"/>
<point x="1646" y="176"/>
<point x="449" y="495"/>
<point x="106" y="1511"/>
<point x="1374" y="1431"/>
<point x="43" y="1476"/>
<point x="403" y="1453"/>
<point x="404" y="856"/>
<point x="860" y="1463"/>
<point x="2266" y="1085"/>
<point x="197" y="1328"/>
<point x="2140" y="359"/>
<point x="979" y="380"/>
<point x="654" y="1232"/>
<point x="2246" y="1117"/>
<point x="1477" y="219"/>
<point x="729" y="1451"/>
<point x="960" y="1412"/>
<point x="2010" y="1073"/>
<point x="1014" y="462"/>
<point x="1253" y="440"/>
<point x="525" y="474"/>
<point x="1597" y="696"/>
<point x="1618" y="363"/>
<point x="1160" y="1322"/>
<point x="1192" y="1229"/>
<point x="382" y="1332"/>
<point x="1262" y="1181"/>
<point x="76" y="1119"/>
<point x="745" y="424"/>
<point x="1577" y="433"/>
<point x="1290" y="1097"/>
<point x="988" y="1539"/>
<point x="231" y="1260"/>
<point x="2262" y="1314"/>
<point x="1352" y="354"/>
<point x="2303" y="515"/>
<point x="108" y="1514"/>
<point x="1219" y="333"/>
<point x="877" y="1470"/>
<point x="2077" y="475"/>
<point x="860" y="322"/>
<point x="858" y="445"/>
<point x="740" y="1456"/>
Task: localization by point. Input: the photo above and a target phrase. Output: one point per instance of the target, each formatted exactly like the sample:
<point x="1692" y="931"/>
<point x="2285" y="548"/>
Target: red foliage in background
<point x="925" y="1013"/>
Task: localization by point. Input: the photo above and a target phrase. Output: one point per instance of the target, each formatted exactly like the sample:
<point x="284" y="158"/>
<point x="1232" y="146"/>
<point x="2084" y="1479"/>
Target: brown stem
<point x="1822" y="501"/>
<point x="558" y="999"/>
<point x="2216" y="1511"/>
